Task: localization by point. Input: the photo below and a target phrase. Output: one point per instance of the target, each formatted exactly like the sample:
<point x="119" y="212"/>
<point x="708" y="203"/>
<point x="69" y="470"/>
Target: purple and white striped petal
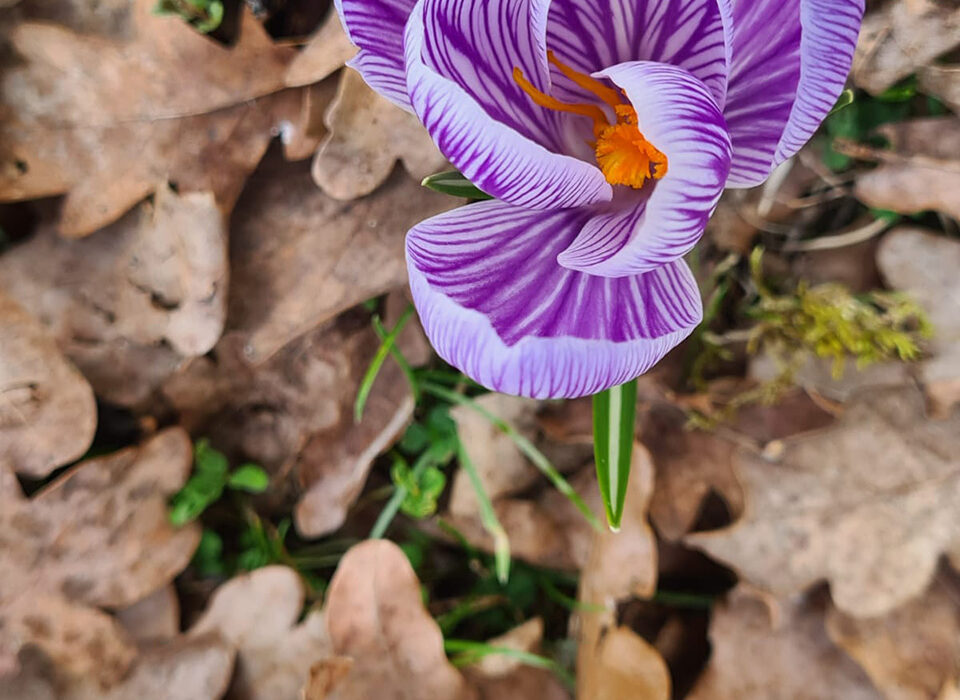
<point x="591" y="35"/>
<point x="496" y="157"/>
<point x="495" y="303"/>
<point x="376" y="28"/>
<point x="789" y="60"/>
<point x="642" y="230"/>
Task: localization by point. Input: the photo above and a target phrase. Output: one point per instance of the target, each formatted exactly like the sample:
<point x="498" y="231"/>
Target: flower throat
<point x="625" y="157"/>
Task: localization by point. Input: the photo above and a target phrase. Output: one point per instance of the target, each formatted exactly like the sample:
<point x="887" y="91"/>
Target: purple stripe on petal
<point x="495" y="303"/>
<point x="830" y="31"/>
<point x="788" y="62"/>
<point x="591" y="35"/>
<point x="376" y="27"/>
<point x="494" y="156"/>
<point x="642" y="230"/>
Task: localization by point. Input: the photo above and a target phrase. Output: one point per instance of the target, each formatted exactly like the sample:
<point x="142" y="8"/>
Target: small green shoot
<point x="845" y="100"/>
<point x="538" y="459"/>
<point x="203" y="15"/>
<point x="208" y="559"/>
<point x="386" y="346"/>
<point x="416" y="490"/>
<point x="211" y="475"/>
<point x="454" y="183"/>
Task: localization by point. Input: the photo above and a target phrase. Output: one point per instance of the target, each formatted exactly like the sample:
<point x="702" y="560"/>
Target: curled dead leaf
<point x="901" y="37"/>
<point x="376" y="617"/>
<point x="765" y="649"/>
<point x="299" y="257"/>
<point x="911" y="653"/>
<point x="98" y="536"/>
<point x="924" y="266"/>
<point x="47" y="410"/>
<point x="869" y="505"/>
<point x="127" y="303"/>
<point x="257" y="615"/>
<point x="368" y="135"/>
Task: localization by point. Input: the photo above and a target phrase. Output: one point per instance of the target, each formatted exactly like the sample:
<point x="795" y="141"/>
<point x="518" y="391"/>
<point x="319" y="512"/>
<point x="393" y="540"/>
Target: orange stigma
<point x="625" y="157"/>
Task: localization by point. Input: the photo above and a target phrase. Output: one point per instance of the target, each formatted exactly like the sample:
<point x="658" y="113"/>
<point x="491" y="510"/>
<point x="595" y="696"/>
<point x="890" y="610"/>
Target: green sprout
<point x="203" y="15"/>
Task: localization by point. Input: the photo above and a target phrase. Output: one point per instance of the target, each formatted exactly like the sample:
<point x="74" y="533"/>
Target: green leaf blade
<point x="454" y="183"/>
<point x="614" y="413"/>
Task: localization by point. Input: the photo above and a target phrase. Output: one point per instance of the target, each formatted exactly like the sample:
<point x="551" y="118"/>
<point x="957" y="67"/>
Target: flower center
<point x="625" y="157"/>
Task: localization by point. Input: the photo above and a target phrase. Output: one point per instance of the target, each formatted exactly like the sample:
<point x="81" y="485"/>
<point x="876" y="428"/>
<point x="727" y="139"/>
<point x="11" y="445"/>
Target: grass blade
<point x="539" y="460"/>
<point x="501" y="543"/>
<point x="454" y="183"/>
<point x="614" y="412"/>
<point x="377" y="363"/>
<point x="470" y="652"/>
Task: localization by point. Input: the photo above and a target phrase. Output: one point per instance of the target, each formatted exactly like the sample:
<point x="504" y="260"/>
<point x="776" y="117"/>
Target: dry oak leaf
<point x="326" y="52"/>
<point x="294" y="414"/>
<point x="777" y="651"/>
<point x="48" y="414"/>
<point x="375" y="616"/>
<point x="924" y="265"/>
<point x="187" y="669"/>
<point x="298" y="257"/>
<point x="942" y="82"/>
<point x="368" y="135"/>
<point x="98" y="536"/>
<point x="127" y="303"/>
<point x="911" y="653"/>
<point x="870" y="506"/>
<point x="901" y="37"/>
<point x="257" y="614"/>
<point x="921" y="173"/>
<point x="78" y="105"/>
<point x="690" y="464"/>
<point x="153" y="620"/>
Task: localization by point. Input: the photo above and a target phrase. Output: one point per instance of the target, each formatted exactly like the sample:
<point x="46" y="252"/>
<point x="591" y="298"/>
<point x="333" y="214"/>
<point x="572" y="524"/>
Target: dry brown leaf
<point x="298" y="257"/>
<point x="869" y="505"/>
<point x="816" y="376"/>
<point x="901" y="37"/>
<point x="195" y="669"/>
<point x="914" y="651"/>
<point x="762" y="649"/>
<point x="294" y="414"/>
<point x="618" y="566"/>
<point x="499" y="462"/>
<point x="623" y="666"/>
<point x="98" y="536"/>
<point x="80" y="104"/>
<point x="325" y="53"/>
<point x="127" y="303"/>
<point x="153" y="620"/>
<point x="47" y="410"/>
<point x="376" y="617"/>
<point x="368" y="135"/>
<point x="923" y="171"/>
<point x="924" y="265"/>
<point x="257" y="615"/>
<point x="690" y="464"/>
<point x="943" y="82"/>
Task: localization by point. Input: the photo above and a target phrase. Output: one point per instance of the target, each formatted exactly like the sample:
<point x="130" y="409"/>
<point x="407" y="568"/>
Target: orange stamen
<point x="592" y="111"/>
<point x="607" y="94"/>
<point x="623" y="153"/>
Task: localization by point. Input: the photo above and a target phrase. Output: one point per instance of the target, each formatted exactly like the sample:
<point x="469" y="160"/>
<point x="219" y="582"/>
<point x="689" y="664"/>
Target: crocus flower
<point x="606" y="131"/>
